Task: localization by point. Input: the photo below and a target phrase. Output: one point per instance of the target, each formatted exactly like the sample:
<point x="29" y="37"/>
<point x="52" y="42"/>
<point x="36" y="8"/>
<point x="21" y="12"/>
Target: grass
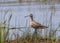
<point x="32" y="39"/>
<point x="29" y="39"/>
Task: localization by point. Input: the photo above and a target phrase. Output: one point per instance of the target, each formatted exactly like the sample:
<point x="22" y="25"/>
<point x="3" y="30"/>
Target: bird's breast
<point x="31" y="22"/>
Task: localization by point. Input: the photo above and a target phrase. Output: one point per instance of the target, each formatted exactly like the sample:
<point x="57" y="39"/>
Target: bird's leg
<point x="35" y="31"/>
<point x="35" y="35"/>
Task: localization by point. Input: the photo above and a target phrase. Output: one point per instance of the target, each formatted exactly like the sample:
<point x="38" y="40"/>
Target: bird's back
<point x="37" y="25"/>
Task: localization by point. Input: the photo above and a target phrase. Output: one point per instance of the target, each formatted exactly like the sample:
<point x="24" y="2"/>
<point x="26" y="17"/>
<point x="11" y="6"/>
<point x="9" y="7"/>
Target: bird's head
<point x="30" y="15"/>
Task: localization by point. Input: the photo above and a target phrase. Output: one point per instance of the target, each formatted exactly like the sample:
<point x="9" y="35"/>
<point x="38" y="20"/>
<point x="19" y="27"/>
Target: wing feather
<point x="37" y="25"/>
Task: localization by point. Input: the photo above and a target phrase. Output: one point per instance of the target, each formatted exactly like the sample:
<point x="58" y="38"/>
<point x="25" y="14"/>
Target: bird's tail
<point x="43" y="27"/>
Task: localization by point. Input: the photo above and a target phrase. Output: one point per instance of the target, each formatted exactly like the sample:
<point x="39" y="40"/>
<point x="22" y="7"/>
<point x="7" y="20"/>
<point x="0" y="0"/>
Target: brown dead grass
<point x="32" y="39"/>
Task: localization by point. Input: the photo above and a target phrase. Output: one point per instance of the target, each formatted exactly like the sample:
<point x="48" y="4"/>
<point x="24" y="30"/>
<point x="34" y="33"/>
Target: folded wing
<point x="37" y="25"/>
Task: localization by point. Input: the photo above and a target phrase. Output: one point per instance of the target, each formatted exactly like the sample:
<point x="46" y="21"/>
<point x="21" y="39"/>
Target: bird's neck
<point x="31" y="18"/>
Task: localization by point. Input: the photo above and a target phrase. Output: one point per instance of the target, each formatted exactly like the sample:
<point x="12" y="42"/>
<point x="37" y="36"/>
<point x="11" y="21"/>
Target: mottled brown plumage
<point x="35" y="24"/>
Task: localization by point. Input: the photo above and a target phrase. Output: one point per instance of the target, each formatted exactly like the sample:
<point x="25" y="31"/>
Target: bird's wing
<point x="36" y="23"/>
<point x="39" y="25"/>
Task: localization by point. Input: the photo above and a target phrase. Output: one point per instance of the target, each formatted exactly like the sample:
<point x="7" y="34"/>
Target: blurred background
<point x="14" y="28"/>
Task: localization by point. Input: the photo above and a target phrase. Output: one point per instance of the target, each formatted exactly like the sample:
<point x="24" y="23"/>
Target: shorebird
<point x="35" y="24"/>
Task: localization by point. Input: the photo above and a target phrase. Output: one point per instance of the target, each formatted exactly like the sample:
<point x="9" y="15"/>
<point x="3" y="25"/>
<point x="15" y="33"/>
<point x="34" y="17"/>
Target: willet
<point x="35" y="24"/>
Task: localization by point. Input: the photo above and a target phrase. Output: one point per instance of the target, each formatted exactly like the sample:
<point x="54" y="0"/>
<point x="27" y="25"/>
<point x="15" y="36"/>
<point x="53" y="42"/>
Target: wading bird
<point x="35" y="24"/>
